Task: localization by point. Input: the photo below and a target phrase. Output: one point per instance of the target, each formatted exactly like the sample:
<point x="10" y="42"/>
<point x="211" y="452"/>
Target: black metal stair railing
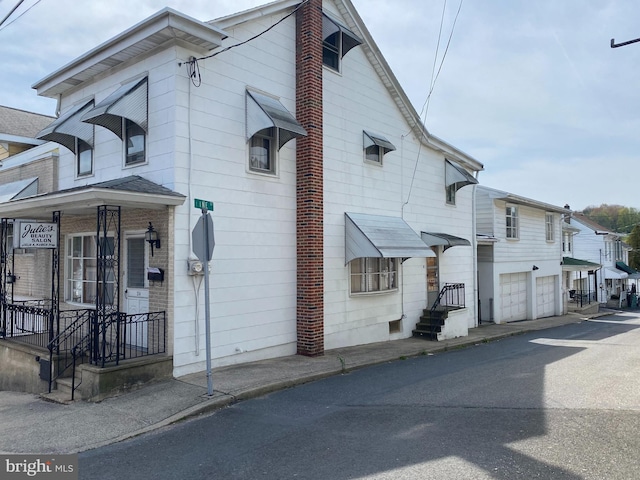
<point x="451" y="295"/>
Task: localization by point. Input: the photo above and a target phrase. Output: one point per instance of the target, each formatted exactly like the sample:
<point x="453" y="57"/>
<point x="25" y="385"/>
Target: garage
<point x="546" y="296"/>
<point x="513" y="292"/>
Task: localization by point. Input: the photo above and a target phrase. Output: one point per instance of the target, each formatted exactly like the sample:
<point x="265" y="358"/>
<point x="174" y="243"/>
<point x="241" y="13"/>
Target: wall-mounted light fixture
<point x="152" y="237"/>
<point x="534" y="267"/>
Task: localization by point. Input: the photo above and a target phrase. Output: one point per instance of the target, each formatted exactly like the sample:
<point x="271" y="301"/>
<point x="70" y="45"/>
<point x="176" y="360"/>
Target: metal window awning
<point x="331" y="25"/>
<point x="371" y="139"/>
<point x="266" y="112"/>
<point x="69" y="126"/>
<point x="19" y="189"/>
<point x="614" y="273"/>
<point x="129" y="101"/>
<point x="447" y="241"/>
<point x="455" y="174"/>
<point x="381" y="236"/>
<point x="625" y="268"/>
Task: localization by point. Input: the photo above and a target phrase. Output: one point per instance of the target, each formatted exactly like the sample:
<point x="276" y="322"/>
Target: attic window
<point x="337" y="40"/>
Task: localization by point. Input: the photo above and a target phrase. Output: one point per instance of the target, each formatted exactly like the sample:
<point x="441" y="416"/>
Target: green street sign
<point x="203" y="204"/>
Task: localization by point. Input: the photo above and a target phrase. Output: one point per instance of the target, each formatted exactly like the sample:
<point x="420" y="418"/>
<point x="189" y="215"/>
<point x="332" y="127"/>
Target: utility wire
<point x="194" y="61"/>
<point x="425" y="107"/>
<point x="2" y="27"/>
<point x="11" y="12"/>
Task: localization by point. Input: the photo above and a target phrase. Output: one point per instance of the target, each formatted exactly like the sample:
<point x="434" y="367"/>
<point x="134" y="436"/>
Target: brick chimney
<point x="309" y="181"/>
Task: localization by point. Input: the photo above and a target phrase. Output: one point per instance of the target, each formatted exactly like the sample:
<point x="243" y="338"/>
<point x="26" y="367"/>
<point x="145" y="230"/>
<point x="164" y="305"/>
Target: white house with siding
<point x="338" y="218"/>
<point x="519" y="256"/>
<point x="600" y="245"/>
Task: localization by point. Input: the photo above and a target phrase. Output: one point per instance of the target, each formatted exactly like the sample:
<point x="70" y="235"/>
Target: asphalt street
<point x="562" y="403"/>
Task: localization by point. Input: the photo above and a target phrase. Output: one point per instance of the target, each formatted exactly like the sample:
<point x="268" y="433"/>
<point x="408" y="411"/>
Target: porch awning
<point x="614" y="273"/>
<point x="444" y="239"/>
<point x="69" y="126"/>
<point x="381" y="236"/>
<point x="625" y="268"/>
<point x="129" y="101"/>
<point x="266" y="112"/>
<point x="331" y="25"/>
<point x="18" y="189"/>
<point x="570" y="264"/>
<point x="371" y="139"/>
<point x="131" y="192"/>
<point x="455" y="174"/>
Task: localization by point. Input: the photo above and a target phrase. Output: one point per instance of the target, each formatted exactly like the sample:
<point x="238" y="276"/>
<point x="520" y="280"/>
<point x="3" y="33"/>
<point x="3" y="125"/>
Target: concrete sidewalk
<point x="28" y="424"/>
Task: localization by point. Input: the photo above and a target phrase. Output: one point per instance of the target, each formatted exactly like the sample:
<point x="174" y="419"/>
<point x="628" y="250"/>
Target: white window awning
<point x="67" y="127"/>
<point x="443" y="239"/>
<point x="371" y="139"/>
<point x="129" y="101"/>
<point x="380" y="236"/>
<point x="19" y="189"/>
<point x="266" y="112"/>
<point x="331" y="25"/>
<point x="455" y="174"/>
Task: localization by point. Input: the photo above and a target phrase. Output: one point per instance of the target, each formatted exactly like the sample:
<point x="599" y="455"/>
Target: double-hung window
<point x="512" y="221"/>
<point x="549" y="227"/>
<point x="81" y="272"/>
<point x="262" y="151"/>
<point x="374" y="275"/>
<point x="84" y="158"/>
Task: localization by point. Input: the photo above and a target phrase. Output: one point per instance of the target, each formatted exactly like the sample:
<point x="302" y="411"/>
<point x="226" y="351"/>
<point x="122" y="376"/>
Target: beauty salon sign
<point x="38" y="235"/>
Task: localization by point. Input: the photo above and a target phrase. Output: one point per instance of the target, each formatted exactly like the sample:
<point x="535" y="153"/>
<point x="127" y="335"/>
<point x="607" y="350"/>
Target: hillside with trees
<point x="622" y="220"/>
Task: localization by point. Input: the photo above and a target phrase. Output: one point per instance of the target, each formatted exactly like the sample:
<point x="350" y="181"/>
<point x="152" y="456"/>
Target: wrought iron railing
<point x="452" y="295"/>
<point x="582" y="297"/>
<point x="78" y="336"/>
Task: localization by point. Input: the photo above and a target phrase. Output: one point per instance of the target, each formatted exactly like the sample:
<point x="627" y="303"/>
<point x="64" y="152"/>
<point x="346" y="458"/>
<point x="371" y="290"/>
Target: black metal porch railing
<point x="83" y="335"/>
<point x="582" y="297"/>
<point x="452" y="295"/>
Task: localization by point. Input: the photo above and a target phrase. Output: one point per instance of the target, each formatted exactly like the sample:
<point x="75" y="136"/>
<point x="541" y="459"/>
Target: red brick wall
<point x="309" y="178"/>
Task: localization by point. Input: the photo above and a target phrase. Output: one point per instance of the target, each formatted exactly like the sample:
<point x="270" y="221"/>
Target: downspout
<point x="474" y="243"/>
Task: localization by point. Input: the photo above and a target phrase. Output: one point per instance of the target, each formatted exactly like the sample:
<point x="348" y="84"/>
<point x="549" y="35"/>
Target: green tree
<point x="634" y="242"/>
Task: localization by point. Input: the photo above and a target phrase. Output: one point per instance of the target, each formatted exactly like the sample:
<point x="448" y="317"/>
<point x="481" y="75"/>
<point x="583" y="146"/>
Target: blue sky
<point x="531" y="89"/>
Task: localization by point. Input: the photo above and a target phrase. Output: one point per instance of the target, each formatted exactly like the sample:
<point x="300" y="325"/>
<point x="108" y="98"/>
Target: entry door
<point x="433" y="284"/>
<point x="136" y="291"/>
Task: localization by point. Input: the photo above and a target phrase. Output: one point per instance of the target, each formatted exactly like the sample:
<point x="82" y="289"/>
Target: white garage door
<point x="546" y="296"/>
<point x="513" y="294"/>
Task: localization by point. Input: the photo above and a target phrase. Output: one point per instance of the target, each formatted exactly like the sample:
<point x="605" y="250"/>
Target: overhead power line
<point x="2" y="27"/>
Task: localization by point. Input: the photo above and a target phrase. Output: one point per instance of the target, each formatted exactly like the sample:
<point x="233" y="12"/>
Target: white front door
<point x="136" y="291"/>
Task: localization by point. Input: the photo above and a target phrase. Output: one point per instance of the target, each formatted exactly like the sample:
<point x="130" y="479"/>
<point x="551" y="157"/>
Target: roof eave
<point x="180" y="28"/>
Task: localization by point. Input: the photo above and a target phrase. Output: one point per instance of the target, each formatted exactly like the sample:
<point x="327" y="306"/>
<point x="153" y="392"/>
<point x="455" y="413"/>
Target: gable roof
<point x="587" y="222"/>
<point x="354" y="22"/>
<point x="20" y="123"/>
<point x="496" y="194"/>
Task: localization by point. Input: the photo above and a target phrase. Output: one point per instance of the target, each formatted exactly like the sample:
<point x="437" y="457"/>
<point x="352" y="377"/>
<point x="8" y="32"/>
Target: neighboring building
<point x="519" y="256"/>
<point x="18" y="129"/>
<point x="599" y="245"/>
<point x="334" y="208"/>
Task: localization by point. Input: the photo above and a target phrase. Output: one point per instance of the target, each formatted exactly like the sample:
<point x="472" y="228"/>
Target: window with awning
<point x="68" y="128"/>
<point x="265" y="112"/>
<point x="376" y="146"/>
<point x="337" y="40"/>
<point x="127" y="102"/>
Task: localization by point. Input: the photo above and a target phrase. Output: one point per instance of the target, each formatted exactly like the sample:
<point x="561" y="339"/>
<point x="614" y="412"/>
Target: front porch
<point x="84" y="305"/>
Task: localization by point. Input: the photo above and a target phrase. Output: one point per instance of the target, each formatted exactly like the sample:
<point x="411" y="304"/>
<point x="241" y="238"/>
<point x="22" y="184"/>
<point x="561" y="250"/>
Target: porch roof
<point x="133" y="191"/>
<point x="570" y="264"/>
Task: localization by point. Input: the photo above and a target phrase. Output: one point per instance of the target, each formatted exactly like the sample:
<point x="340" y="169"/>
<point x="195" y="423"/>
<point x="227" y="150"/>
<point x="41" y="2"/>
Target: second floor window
<point x="84" y="158"/>
<point x="512" y="222"/>
<point x="549" y="227"/>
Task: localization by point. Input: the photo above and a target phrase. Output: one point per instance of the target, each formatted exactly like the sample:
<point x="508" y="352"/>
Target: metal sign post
<point x="203" y="243"/>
